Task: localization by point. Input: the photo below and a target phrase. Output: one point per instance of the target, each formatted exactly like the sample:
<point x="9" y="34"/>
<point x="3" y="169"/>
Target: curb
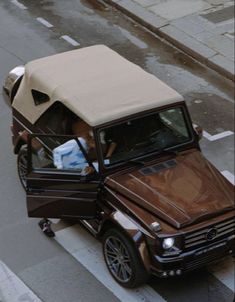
<point x="180" y="39"/>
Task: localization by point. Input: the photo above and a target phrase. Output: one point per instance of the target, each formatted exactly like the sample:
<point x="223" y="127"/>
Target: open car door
<point x="53" y="192"/>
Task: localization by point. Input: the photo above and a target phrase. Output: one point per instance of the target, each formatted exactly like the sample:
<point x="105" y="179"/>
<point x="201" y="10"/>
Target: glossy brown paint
<point x="133" y="230"/>
<point x="190" y="192"/>
<point x="145" y="219"/>
<point x="60" y="195"/>
<point x="187" y="199"/>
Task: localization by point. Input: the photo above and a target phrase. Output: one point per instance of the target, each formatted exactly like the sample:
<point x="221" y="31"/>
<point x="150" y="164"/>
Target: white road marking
<point x="44" y="22"/>
<point x="87" y="250"/>
<point x="229" y="176"/>
<point x="12" y="289"/>
<point x="224" y="271"/>
<point x="70" y="40"/>
<point x="18" y="4"/>
<point x="216" y="136"/>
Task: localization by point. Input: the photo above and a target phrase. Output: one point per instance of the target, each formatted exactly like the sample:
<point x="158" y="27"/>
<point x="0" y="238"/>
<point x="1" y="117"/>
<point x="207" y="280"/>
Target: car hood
<point x="181" y="191"/>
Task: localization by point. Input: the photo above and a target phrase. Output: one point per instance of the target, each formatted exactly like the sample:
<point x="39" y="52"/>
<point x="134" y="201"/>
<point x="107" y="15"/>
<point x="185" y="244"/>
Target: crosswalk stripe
<point x="224" y="271"/>
<point x="230" y="177"/>
<point x="87" y="250"/>
<point x="12" y="289"/>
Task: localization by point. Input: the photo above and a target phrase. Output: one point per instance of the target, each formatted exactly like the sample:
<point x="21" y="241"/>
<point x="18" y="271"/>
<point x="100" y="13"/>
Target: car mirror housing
<point x="199" y="132"/>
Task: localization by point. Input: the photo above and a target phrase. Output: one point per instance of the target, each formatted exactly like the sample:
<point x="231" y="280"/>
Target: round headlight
<point x="168" y="243"/>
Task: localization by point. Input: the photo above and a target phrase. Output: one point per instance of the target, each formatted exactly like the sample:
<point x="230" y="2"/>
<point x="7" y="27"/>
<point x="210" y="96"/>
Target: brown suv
<point x="132" y="172"/>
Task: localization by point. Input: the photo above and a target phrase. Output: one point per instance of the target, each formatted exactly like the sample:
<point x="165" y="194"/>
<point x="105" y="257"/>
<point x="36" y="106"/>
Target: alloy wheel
<point x="118" y="259"/>
<point x="22" y="167"/>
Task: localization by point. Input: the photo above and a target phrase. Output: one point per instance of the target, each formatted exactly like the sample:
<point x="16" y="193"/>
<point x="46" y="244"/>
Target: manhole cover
<point x="220" y="15"/>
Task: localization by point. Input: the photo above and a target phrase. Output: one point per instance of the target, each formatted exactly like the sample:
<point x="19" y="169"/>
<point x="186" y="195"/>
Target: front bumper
<point x="187" y="261"/>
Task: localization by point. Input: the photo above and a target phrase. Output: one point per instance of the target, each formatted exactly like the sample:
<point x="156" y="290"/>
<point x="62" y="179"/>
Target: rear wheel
<point x="123" y="260"/>
<point x="22" y="160"/>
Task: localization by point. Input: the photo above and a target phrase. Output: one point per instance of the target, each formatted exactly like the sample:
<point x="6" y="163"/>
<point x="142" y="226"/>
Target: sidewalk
<point x="204" y="29"/>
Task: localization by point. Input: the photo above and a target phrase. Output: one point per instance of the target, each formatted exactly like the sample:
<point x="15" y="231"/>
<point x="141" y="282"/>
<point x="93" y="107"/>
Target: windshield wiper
<point x="166" y="151"/>
<point x="137" y="162"/>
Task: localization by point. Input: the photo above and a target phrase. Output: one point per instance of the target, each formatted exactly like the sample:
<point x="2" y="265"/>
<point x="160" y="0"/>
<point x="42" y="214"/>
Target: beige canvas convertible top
<point x="95" y="82"/>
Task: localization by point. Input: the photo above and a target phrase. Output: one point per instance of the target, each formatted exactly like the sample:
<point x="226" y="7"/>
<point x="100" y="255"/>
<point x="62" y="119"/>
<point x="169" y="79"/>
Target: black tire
<point x="122" y="259"/>
<point x="22" y="160"/>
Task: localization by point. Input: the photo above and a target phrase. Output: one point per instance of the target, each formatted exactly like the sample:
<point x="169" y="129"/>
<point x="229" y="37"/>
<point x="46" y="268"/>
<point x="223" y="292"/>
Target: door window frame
<point x="45" y="170"/>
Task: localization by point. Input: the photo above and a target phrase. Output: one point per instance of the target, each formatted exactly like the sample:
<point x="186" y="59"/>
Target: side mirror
<point x="199" y="131"/>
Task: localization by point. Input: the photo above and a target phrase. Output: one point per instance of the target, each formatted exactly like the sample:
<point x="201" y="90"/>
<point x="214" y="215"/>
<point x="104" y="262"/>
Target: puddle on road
<point x="89" y="22"/>
<point x="133" y="39"/>
<point x="205" y="109"/>
<point x="184" y="80"/>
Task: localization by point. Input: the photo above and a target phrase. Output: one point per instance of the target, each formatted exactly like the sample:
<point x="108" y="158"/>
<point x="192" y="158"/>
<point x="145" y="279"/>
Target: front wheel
<point x="22" y="160"/>
<point x="123" y="260"/>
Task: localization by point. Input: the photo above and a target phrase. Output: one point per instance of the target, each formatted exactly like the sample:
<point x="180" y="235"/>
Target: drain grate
<point x="221" y="15"/>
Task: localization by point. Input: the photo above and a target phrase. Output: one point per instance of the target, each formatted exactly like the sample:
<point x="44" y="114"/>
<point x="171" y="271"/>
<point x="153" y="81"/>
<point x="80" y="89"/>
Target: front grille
<point x="210" y="234"/>
<point x="204" y="260"/>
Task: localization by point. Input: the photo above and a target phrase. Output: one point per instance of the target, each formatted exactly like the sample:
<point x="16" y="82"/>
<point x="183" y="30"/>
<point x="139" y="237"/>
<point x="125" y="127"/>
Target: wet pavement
<point x="93" y="22"/>
<point x="201" y="28"/>
<point x="210" y="101"/>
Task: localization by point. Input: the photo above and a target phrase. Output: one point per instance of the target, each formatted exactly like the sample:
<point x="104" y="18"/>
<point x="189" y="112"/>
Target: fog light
<point x="178" y="272"/>
<point x="171" y="273"/>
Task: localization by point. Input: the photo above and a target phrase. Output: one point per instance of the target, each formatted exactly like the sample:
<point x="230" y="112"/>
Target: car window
<point x="174" y="119"/>
<point x="39" y="97"/>
<point x="61" y="153"/>
<point x="56" y="120"/>
<point x="140" y="136"/>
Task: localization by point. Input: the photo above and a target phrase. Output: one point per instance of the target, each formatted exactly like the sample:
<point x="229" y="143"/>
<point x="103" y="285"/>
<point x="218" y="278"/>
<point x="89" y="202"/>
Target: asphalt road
<point x="49" y="267"/>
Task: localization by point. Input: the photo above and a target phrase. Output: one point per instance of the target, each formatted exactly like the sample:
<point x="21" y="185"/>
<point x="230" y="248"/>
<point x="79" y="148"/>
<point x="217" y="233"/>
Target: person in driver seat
<point x="69" y="155"/>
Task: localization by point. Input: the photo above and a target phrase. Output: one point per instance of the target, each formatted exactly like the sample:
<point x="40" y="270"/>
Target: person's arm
<point x="37" y="146"/>
<point x="111" y="149"/>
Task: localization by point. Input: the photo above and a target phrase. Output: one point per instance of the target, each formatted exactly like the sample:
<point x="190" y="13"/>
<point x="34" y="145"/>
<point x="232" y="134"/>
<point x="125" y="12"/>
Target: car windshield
<point x="137" y="137"/>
